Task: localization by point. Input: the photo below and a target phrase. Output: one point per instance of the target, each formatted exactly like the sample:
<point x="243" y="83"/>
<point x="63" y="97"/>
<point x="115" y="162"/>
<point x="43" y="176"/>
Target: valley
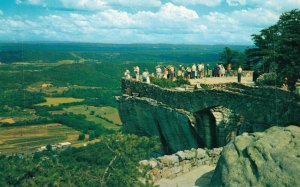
<point x="42" y="83"/>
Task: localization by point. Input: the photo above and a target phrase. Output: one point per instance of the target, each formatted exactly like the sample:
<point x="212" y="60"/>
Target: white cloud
<point x="84" y="4"/>
<point x="171" y="11"/>
<point x="91" y="4"/>
<point x="237" y="26"/>
<point x="209" y="3"/>
<point x="18" y="2"/>
<point x="140" y="3"/>
<point x="256" y="17"/>
<point x="119" y="26"/>
<point x="35" y="2"/>
<point x="169" y="23"/>
<point x="32" y="2"/>
<point x="1" y="13"/>
<point x="236" y="2"/>
<point x="278" y="5"/>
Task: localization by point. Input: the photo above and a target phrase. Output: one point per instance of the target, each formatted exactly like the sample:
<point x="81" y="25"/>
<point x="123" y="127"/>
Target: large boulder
<point x="270" y="158"/>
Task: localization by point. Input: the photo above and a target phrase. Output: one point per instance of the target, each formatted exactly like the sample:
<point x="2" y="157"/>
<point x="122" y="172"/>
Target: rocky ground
<point x="270" y="158"/>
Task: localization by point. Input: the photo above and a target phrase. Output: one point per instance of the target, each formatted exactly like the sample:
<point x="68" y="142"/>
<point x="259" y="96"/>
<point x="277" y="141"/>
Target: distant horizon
<point x="76" y="42"/>
<point x="194" y="22"/>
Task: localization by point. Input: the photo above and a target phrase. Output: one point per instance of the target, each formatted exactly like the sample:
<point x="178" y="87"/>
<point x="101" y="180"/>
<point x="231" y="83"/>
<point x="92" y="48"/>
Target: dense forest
<point x="85" y="166"/>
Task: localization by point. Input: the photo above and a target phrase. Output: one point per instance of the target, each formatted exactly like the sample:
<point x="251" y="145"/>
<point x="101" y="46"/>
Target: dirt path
<point x="198" y="177"/>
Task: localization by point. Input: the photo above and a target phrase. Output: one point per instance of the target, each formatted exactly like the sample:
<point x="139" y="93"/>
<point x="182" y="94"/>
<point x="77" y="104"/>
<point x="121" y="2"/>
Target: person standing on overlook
<point x="146" y="76"/>
<point x="158" y="72"/>
<point x="136" y="70"/>
<point x="127" y="74"/>
<point x="207" y="70"/>
<point x="165" y="76"/>
<point x="239" y="74"/>
<point x="193" y="73"/>
<point x="228" y="72"/>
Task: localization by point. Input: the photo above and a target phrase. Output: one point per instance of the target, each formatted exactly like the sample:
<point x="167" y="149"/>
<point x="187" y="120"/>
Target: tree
<point x="49" y="147"/>
<point x="114" y="161"/>
<point x="123" y="169"/>
<point x="81" y="137"/>
<point x="92" y="136"/>
<point x="235" y="58"/>
<point x="278" y="48"/>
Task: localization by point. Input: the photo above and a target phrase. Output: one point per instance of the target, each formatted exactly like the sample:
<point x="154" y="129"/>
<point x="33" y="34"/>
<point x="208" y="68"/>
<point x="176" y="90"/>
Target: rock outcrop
<point x="270" y="158"/>
<point x="209" y="117"/>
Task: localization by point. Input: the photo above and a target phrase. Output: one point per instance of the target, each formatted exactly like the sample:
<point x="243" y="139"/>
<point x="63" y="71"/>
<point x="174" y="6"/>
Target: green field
<point x="29" y="138"/>
<point x="59" y="100"/>
<point x="110" y="113"/>
<point x="7" y="120"/>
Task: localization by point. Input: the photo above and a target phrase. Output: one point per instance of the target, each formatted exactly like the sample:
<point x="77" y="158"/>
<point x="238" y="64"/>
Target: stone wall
<point x="272" y="105"/>
<point x="209" y="117"/>
<point x="170" y="166"/>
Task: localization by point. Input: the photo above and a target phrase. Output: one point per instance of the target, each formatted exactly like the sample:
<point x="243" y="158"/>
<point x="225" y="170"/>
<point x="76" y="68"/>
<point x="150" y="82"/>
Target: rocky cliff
<point x="271" y="158"/>
<point x="209" y="117"/>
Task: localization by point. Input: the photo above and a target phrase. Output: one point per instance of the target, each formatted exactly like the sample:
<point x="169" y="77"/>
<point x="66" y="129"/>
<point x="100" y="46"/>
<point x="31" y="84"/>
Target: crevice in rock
<point x="163" y="140"/>
<point x="253" y="166"/>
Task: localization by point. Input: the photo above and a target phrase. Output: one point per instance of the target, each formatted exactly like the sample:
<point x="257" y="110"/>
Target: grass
<point x="66" y="62"/>
<point x="29" y="138"/>
<point x="49" y="91"/>
<point x="110" y="113"/>
<point x="59" y="100"/>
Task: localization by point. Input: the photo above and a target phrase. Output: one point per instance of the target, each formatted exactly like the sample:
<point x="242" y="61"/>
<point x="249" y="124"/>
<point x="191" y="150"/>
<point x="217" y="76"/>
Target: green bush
<point x="49" y="147"/>
<point x="92" y="135"/>
<point x="180" y="81"/>
<point x="267" y="79"/>
<point x="81" y="137"/>
<point x="167" y="83"/>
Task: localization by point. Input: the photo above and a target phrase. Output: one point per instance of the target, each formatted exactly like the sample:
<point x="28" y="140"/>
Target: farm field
<point x="29" y="138"/>
<point x="92" y="114"/>
<point x="59" y="100"/>
<point x="7" y="120"/>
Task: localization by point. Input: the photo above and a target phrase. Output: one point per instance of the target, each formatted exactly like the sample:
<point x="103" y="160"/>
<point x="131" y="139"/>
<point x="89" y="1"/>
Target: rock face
<point x="209" y="117"/>
<point x="270" y="158"/>
<point x="148" y="117"/>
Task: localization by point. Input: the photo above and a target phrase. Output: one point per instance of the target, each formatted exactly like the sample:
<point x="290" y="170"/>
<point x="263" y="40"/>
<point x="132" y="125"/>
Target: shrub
<point x="180" y="81"/>
<point x="81" y="137"/>
<point x="92" y="135"/>
<point x="267" y="79"/>
<point x="167" y="83"/>
<point x="49" y="147"/>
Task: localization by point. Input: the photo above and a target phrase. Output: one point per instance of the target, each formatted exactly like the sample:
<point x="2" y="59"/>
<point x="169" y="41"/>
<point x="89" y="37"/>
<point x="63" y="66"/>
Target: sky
<point x="139" y="21"/>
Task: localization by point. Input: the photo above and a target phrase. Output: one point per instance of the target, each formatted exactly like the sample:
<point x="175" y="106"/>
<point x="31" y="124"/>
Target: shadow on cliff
<point x="204" y="180"/>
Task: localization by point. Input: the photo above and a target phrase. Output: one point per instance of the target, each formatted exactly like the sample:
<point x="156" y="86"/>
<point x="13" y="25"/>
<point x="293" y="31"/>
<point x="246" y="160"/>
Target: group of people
<point x="186" y="72"/>
<point x="171" y="72"/>
<point x="136" y="70"/>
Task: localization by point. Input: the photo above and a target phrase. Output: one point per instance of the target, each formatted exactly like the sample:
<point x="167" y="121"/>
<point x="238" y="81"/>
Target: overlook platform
<point x="222" y="80"/>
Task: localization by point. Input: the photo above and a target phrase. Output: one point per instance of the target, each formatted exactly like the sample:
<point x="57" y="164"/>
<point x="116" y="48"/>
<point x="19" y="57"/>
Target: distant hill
<point x="53" y="52"/>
